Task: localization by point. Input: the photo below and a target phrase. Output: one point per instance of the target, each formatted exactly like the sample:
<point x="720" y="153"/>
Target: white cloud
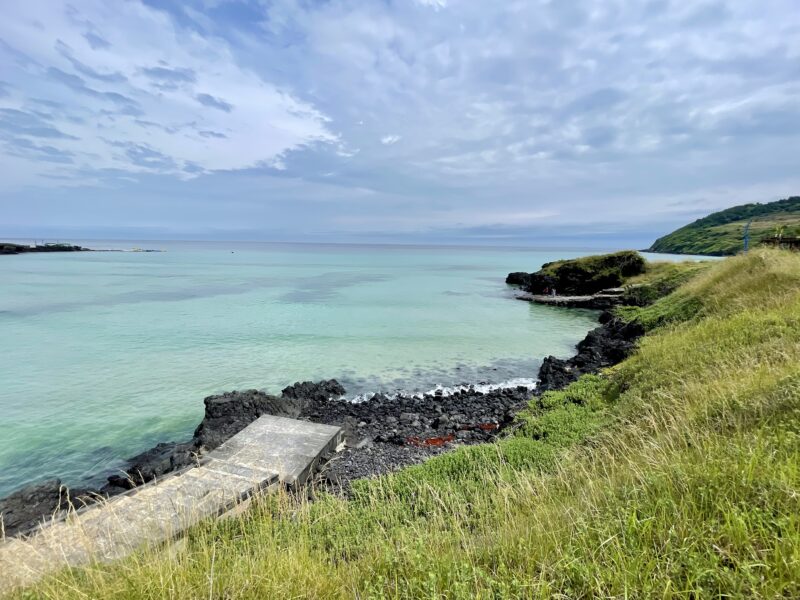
<point x="132" y="91"/>
<point x="607" y="110"/>
<point x="435" y="4"/>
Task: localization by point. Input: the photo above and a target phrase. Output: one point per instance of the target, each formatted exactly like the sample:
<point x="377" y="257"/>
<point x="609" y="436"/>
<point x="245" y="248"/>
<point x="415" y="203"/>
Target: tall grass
<point x="675" y="474"/>
<point x="659" y="280"/>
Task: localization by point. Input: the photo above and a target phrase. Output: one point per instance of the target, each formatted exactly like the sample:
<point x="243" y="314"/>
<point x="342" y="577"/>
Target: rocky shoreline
<point x="13" y="248"/>
<point x="383" y="433"/>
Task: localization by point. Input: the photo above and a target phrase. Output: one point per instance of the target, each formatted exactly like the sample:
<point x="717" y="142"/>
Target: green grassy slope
<point x="721" y="233"/>
<point x="673" y="475"/>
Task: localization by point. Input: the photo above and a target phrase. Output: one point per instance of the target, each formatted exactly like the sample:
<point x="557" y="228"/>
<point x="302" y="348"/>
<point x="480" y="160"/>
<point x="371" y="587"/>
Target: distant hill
<point x="721" y="233"/>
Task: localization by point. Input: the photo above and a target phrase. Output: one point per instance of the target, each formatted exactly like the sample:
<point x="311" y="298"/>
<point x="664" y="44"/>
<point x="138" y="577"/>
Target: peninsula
<point x="14" y="248"/>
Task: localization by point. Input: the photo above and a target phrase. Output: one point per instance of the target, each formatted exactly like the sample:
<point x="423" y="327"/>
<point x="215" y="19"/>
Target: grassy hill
<point x="721" y="233"/>
<point x="674" y="474"/>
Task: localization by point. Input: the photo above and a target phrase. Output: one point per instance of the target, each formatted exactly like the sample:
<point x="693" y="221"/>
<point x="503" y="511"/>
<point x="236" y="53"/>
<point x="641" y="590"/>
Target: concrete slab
<point x="270" y="451"/>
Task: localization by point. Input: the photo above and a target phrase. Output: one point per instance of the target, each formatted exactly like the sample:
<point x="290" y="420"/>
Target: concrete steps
<point x="269" y="452"/>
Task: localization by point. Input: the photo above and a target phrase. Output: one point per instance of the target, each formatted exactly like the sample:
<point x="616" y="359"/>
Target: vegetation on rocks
<point x="658" y="280"/>
<point x="582" y="276"/>
<point x="722" y="233"/>
<point x="672" y="475"/>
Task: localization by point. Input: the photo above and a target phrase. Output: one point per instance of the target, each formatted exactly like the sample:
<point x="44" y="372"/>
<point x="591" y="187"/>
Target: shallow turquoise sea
<point x="107" y="353"/>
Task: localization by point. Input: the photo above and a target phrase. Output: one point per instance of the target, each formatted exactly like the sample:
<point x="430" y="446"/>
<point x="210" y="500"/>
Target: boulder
<point x="28" y="506"/>
<point x="227" y="414"/>
<point x="518" y="278"/>
<point x="320" y="391"/>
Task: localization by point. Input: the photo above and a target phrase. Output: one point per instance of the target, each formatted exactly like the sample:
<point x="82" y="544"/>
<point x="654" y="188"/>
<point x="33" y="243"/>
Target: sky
<point x="422" y="121"/>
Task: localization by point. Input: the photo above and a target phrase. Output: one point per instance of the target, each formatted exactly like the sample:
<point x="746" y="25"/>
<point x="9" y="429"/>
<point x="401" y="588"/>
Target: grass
<point x="660" y="279"/>
<point x="673" y="475"/>
<point x="728" y="238"/>
<point x="759" y="279"/>
<point x="588" y="274"/>
<point x="722" y="233"/>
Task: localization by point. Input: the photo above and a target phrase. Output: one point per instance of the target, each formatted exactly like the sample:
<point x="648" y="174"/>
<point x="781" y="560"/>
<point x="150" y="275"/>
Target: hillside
<point x="672" y="475"/>
<point x="721" y="233"/>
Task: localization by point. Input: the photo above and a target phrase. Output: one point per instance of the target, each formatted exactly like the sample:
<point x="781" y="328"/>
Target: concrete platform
<point x="600" y="301"/>
<point x="270" y="451"/>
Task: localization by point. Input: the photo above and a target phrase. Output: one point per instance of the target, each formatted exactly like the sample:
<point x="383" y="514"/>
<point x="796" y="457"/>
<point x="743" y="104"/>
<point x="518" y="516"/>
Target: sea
<point x="107" y="353"/>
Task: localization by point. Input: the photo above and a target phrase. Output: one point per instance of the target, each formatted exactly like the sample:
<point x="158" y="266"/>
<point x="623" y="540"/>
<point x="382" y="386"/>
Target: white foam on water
<point x="443" y="391"/>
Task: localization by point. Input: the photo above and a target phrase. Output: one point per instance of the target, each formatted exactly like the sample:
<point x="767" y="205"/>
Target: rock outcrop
<point x="30" y="505"/>
<point x="581" y="276"/>
<point x="9" y="248"/>
<point x="602" y="347"/>
<point x="225" y="416"/>
<point x="518" y="278"/>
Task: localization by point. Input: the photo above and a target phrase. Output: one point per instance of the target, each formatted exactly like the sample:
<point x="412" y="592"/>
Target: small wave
<point x="440" y="390"/>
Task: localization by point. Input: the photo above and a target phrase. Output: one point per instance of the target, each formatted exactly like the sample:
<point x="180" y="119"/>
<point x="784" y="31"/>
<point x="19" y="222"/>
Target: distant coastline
<point x="15" y="248"/>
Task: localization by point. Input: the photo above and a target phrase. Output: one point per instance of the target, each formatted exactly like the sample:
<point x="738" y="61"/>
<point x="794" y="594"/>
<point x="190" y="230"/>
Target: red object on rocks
<point x="434" y="441"/>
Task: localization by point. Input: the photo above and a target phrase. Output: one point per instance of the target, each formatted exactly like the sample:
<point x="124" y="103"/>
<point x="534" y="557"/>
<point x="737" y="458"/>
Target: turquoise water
<point x="107" y="353"/>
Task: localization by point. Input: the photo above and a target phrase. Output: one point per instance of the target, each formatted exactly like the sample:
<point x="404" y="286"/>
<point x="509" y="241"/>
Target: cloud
<point x="17" y="122"/>
<point x="166" y="78"/>
<point x="147" y="157"/>
<point x="78" y="66"/>
<point x="609" y="111"/>
<point x="212" y="134"/>
<point x="435" y="4"/>
<point x="707" y="14"/>
<point x="133" y="74"/>
<point x="213" y="102"/>
<point x="598" y="100"/>
<point x="25" y="148"/>
<point x="125" y="104"/>
<point x="95" y="41"/>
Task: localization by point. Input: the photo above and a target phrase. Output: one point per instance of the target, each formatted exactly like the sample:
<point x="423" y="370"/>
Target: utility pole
<point x="747" y="235"/>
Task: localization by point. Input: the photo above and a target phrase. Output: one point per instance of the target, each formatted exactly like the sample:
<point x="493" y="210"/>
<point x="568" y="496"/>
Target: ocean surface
<point x="107" y="353"/>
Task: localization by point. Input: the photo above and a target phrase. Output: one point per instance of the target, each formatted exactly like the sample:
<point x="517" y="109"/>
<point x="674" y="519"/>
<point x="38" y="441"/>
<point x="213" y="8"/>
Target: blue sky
<point x="408" y="120"/>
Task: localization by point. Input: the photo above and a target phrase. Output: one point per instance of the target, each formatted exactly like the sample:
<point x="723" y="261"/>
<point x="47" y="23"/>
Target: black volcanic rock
<point x="320" y="391"/>
<point x="227" y="414"/>
<point x="31" y="505"/>
<point x="602" y="347"/>
<point x="581" y="276"/>
<point x="150" y="464"/>
<point x="518" y="278"/>
<point x="24" y="507"/>
<point x="11" y="248"/>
